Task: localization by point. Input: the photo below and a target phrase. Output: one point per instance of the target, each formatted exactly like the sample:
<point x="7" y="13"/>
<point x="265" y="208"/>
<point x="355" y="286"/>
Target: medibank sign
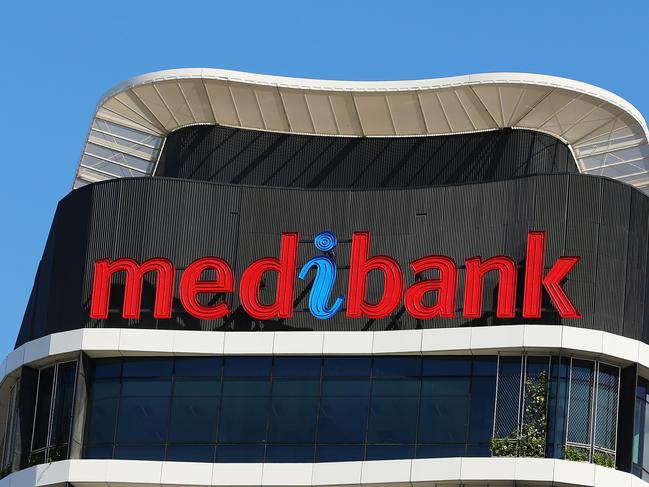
<point x="424" y="299"/>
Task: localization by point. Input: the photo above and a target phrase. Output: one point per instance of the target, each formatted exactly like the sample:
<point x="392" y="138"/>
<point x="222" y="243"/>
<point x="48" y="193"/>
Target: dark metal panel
<point x="185" y="220"/>
<point x="241" y="156"/>
<point x="626" y="415"/>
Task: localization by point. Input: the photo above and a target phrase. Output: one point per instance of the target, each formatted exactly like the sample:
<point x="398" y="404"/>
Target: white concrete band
<point x="495" y="472"/>
<point x="115" y="342"/>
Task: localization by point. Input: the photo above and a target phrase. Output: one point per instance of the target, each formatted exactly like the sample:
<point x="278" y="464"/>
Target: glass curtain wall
<point x="290" y="409"/>
<point x="306" y="409"/>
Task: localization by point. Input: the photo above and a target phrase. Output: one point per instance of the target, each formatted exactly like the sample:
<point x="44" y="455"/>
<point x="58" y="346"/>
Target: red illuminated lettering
<point x="285" y="268"/>
<point x="191" y="286"/>
<point x="442" y="288"/>
<point x="535" y="282"/>
<point x="359" y="267"/>
<point x="104" y="270"/>
<point x="476" y="269"/>
<point x="445" y="286"/>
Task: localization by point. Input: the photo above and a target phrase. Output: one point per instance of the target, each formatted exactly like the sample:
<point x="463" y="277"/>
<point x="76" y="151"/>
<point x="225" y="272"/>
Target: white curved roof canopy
<point x="607" y="135"/>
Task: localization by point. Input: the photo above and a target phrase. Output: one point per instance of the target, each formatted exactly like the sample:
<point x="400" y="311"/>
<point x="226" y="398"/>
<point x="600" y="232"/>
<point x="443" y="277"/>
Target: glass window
<point x="148" y="367"/>
<point x="244" y="410"/>
<point x="240" y="453"/>
<point x="396" y="366"/>
<point x="190" y="453"/>
<point x="347" y="366"/>
<point x="293" y="411"/>
<point x="195" y="406"/>
<point x="247" y="366"/>
<point x="53" y="415"/>
<point x="393" y="411"/>
<point x="62" y="410"/>
<point x="101" y="417"/>
<point x="340" y="453"/>
<point x="297" y="367"/>
<point x="444" y="412"/>
<point x="343" y="411"/>
<point x="143" y="418"/>
<point x="10" y="428"/>
<point x="580" y="402"/>
<point x="43" y="407"/>
<point x="290" y="454"/>
<point x="446" y="367"/>
<point x="199" y="367"/>
<point x="606" y="414"/>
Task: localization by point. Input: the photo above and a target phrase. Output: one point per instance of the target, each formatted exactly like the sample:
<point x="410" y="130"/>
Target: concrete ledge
<point x="113" y="342"/>
<point x="389" y="473"/>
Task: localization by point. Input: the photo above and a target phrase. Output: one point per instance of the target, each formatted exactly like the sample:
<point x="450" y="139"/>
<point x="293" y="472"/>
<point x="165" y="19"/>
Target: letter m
<point x="104" y="270"/>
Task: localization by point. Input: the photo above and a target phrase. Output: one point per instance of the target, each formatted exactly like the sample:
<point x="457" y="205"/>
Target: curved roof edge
<point x="608" y="136"/>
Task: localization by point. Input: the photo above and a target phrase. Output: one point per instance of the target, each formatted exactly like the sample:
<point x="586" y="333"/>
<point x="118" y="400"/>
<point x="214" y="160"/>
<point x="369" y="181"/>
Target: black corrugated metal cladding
<point x="605" y="222"/>
<point x="238" y="156"/>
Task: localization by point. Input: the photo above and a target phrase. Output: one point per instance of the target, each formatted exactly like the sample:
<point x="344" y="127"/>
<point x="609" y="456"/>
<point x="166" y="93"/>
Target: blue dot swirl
<point x="325" y="241"/>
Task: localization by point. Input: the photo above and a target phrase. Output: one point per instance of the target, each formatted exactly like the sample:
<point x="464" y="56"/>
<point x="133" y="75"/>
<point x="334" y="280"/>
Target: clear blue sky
<point x="58" y="58"/>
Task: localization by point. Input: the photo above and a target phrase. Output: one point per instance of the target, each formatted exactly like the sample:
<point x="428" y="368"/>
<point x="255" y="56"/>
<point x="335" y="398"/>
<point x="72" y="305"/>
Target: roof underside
<point x="607" y="135"/>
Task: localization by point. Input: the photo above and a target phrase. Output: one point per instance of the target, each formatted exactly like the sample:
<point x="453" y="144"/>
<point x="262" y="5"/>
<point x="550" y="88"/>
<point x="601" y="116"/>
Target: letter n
<point x="104" y="270"/>
<point x="476" y="269"/>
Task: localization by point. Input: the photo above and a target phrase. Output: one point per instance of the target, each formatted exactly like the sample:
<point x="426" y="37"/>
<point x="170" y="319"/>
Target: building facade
<point x="270" y="281"/>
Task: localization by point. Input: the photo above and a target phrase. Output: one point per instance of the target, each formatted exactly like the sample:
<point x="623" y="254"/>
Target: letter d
<point x="285" y="268"/>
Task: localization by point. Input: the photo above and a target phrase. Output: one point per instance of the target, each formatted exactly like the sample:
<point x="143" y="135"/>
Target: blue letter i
<point x="324" y="278"/>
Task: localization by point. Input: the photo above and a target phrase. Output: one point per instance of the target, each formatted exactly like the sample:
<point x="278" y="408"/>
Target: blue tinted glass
<point x="247" y="366"/>
<point x="293" y="411"/>
<point x="393" y="411"/>
<point x="296" y="387"/>
<point x="244" y="409"/>
<point x="246" y="388"/>
<point x="483" y="395"/>
<point x="343" y="411"/>
<point x="197" y="387"/>
<point x="397" y="366"/>
<point x="347" y="366"/>
<point x="100" y="421"/>
<point x="289" y="454"/>
<point x="641" y="391"/>
<point x="105" y="388"/>
<point x="538" y="365"/>
<point x="440" y="451"/>
<point x="194" y="419"/>
<point x="146" y="387"/>
<point x="395" y="387"/>
<point x="190" y="453"/>
<point x="148" y="367"/>
<point x="140" y="453"/>
<point x="297" y="367"/>
<point x="240" y="453"/>
<point x="510" y="366"/>
<point x="446" y="386"/>
<point x="143" y="420"/>
<point x="100" y="452"/>
<point x="340" y="453"/>
<point x="108" y="368"/>
<point x="479" y="450"/>
<point x="444" y="416"/>
<point x="199" y="366"/>
<point x="485" y="366"/>
<point x="446" y="366"/>
<point x="390" y="452"/>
